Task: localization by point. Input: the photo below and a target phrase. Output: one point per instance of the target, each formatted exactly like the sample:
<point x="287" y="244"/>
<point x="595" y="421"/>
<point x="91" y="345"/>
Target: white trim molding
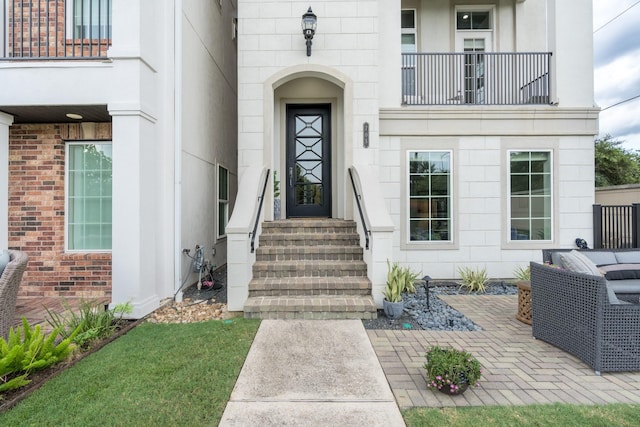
<point x="6" y="121"/>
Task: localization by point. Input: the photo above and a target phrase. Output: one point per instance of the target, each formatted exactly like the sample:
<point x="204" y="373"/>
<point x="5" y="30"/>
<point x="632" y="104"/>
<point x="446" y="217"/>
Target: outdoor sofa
<point x="580" y="313"/>
<point x="9" y="283"/>
<point x="621" y="267"/>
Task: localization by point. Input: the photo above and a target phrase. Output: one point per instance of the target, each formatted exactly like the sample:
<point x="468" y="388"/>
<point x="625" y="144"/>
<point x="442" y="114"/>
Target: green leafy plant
<point x="473" y="280"/>
<point x="399" y="280"/>
<point x="92" y="321"/>
<point x="28" y="349"/>
<point x="449" y="369"/>
<point x="522" y="273"/>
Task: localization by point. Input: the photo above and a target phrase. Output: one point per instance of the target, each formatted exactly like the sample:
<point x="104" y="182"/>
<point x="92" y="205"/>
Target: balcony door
<point x="308" y="160"/>
<point x="474" y="37"/>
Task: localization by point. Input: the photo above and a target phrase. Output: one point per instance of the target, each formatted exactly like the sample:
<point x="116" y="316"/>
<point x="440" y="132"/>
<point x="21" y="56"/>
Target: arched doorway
<point x="309" y="151"/>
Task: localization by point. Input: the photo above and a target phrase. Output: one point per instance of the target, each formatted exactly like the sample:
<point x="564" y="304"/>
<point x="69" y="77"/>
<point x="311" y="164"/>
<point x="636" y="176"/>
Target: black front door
<point x="308" y="160"/>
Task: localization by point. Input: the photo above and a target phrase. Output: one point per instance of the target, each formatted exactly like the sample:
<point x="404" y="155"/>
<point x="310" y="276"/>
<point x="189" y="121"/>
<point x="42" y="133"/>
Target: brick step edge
<point x="312" y="286"/>
<point x="311" y="315"/>
<point x="312" y="226"/>
<point x="309" y="253"/>
<point x="290" y="307"/>
<point x="318" y="239"/>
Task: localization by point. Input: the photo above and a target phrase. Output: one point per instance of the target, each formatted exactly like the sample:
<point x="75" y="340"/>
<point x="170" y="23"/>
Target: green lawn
<point x="183" y="374"/>
<point x="522" y="416"/>
<point x="157" y="374"/>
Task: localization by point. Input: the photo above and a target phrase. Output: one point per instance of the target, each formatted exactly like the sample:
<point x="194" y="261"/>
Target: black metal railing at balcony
<point x="55" y="29"/>
<point x="476" y="78"/>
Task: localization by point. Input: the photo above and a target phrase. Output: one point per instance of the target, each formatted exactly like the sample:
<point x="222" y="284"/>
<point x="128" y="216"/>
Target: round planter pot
<point x="393" y="310"/>
<point x="461" y="389"/>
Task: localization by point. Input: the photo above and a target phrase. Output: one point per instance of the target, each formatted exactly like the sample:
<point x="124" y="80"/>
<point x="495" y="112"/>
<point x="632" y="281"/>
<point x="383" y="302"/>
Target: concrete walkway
<point x="311" y="373"/>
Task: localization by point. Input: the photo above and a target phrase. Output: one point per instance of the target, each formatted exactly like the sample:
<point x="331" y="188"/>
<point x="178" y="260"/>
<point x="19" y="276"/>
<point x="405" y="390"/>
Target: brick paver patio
<point x="517" y="369"/>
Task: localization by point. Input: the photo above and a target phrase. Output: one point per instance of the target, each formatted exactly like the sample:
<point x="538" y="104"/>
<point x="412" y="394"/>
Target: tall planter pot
<point x="393" y="310"/>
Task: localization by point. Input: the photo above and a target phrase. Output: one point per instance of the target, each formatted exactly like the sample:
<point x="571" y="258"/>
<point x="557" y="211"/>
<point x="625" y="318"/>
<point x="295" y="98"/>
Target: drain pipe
<point x="177" y="155"/>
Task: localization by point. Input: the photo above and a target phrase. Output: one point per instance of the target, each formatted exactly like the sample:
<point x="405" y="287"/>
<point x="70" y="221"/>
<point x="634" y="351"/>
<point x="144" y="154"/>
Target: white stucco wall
<point x="271" y="44"/>
<point x="209" y="125"/>
<point x="270" y="40"/>
<point x="480" y="179"/>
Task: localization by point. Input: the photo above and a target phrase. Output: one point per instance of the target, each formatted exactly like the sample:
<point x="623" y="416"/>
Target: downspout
<point x="177" y="155"/>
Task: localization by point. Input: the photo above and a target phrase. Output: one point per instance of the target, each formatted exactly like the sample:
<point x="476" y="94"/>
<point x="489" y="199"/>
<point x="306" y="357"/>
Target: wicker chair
<point x="9" y="283"/>
<point x="572" y="312"/>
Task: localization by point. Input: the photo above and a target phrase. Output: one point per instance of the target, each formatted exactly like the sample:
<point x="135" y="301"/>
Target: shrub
<point x="450" y="368"/>
<point x="29" y="349"/>
<point x="92" y="322"/>
<point x="399" y="280"/>
<point x="522" y="273"/>
<point x="473" y="280"/>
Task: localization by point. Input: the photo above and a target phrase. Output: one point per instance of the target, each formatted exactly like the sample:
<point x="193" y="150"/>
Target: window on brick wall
<point x="223" y="200"/>
<point x="88" y="185"/>
<point x="89" y="19"/>
<point x="530" y="195"/>
<point x="430" y="196"/>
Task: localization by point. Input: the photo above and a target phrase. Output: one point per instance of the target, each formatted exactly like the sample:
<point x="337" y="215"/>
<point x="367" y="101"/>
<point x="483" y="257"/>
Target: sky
<point x="617" y="68"/>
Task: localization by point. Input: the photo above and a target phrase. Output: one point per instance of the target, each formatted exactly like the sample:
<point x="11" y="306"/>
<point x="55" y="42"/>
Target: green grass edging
<point x="619" y="415"/>
<point x="157" y="374"/>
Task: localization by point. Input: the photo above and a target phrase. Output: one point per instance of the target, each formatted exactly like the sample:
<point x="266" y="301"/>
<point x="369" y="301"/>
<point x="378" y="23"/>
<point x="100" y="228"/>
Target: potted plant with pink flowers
<point x="451" y="371"/>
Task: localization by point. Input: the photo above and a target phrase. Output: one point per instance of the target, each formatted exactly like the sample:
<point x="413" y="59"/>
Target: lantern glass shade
<point x="309" y="22"/>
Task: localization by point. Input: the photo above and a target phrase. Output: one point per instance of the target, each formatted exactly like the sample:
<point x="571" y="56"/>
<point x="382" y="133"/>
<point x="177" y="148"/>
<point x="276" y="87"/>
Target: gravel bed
<point x="439" y="316"/>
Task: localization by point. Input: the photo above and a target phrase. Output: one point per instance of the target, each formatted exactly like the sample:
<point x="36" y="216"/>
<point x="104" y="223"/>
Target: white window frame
<point x="450" y="218"/>
<point x="410" y="67"/>
<point x="67" y="194"/>
<point x="475" y="8"/>
<point x="551" y="196"/>
<point x="70" y="22"/>
<point x="222" y="205"/>
<point x="413" y="30"/>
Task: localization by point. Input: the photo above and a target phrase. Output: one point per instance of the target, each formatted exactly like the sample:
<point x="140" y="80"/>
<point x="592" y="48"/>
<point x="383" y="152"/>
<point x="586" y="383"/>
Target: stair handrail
<point x="260" y="200"/>
<point x="367" y="232"/>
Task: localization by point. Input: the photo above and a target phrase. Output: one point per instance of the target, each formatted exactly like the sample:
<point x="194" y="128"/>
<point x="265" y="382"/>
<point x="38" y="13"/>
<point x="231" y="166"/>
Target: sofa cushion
<point x="629" y="286"/>
<point x="628" y="257"/>
<point x="613" y="299"/>
<point x="576" y="262"/>
<point x="621" y="271"/>
<point x="555" y="258"/>
<point x="4" y="260"/>
<point x="601" y="257"/>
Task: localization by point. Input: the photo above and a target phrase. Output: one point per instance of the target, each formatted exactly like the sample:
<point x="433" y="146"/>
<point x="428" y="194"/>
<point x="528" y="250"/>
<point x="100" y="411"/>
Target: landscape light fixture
<point x="309" y="24"/>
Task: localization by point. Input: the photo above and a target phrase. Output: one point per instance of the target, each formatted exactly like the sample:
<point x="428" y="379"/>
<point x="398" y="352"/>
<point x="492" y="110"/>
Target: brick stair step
<point x="298" y="268"/>
<point x="316" y="307"/>
<point x="320" y="252"/>
<point x="299" y="286"/>
<point x="324" y="226"/>
<point x="309" y="239"/>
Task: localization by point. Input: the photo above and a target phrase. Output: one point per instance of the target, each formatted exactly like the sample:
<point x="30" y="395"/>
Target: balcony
<point x="55" y="29"/>
<point x="476" y="78"/>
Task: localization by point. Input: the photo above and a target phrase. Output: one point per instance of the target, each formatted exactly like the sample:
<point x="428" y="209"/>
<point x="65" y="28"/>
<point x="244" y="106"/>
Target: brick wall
<point x="38" y="29"/>
<point x="36" y="212"/>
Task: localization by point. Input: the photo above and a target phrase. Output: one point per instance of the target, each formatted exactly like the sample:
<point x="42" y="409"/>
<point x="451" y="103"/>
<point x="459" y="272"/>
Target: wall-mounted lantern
<point x="309" y="24"/>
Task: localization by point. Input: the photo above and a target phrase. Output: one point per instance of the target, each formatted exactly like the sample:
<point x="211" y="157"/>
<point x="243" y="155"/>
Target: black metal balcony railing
<point x="474" y="78"/>
<point x="55" y="29"/>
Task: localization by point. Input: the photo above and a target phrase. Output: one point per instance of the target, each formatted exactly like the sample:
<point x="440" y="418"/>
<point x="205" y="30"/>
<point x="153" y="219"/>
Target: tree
<point x="615" y="165"/>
